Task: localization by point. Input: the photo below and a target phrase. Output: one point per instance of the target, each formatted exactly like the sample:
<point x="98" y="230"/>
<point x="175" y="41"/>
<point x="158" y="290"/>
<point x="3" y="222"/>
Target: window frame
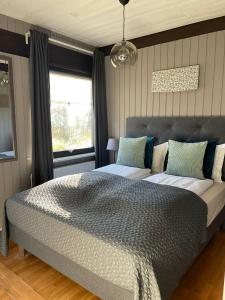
<point x="67" y="153"/>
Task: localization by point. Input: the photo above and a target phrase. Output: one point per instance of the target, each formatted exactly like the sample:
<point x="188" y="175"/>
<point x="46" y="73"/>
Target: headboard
<point x="165" y="128"/>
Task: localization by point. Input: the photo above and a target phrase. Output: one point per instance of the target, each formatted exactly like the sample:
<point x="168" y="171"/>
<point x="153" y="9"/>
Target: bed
<point x="104" y="268"/>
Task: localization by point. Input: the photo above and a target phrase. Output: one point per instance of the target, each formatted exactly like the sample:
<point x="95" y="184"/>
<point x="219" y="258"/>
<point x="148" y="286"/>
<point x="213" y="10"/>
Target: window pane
<point x="71" y="112"/>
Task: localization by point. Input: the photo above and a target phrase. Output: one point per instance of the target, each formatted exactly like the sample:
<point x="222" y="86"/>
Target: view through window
<point x="71" y="112"/>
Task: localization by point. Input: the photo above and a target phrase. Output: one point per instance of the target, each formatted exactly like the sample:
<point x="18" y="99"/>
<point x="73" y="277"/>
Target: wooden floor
<point x="30" y="279"/>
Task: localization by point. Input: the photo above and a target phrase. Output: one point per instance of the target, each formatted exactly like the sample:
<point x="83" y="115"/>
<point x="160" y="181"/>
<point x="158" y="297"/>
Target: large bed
<point x="109" y="264"/>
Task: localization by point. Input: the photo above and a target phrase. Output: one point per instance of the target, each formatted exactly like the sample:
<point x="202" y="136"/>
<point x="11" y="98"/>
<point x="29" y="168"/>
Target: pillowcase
<point x="209" y="156"/>
<point x="159" y="155"/>
<point x="218" y="163"/>
<point x="132" y="152"/>
<point x="186" y="159"/>
<point x="149" y="151"/>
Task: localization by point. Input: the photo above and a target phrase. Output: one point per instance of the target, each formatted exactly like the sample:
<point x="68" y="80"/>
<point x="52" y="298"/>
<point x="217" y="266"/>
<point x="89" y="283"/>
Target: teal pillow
<point x="149" y="152"/>
<point x="132" y="152"/>
<point x="186" y="159"/>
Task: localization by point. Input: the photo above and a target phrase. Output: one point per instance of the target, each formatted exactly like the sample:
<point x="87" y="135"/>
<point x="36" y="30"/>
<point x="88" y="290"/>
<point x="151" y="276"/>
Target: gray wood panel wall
<point x="15" y="175"/>
<point x="129" y="88"/>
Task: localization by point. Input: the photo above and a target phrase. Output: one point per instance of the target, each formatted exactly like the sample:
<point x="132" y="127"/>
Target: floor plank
<point x="28" y="278"/>
<point x="13" y="287"/>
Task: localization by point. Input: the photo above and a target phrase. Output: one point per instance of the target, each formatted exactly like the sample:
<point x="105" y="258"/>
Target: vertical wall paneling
<point x="163" y="66"/>
<point x="122" y="100"/>
<point x="117" y="101"/>
<point x="171" y="63"/>
<point x="156" y="96"/>
<point x="202" y="53"/>
<point x="144" y="83"/>
<point x="15" y="175"/>
<point x="138" y="102"/>
<point x="177" y="63"/>
<point x="193" y="61"/>
<point x="218" y="73"/>
<point x="209" y="73"/>
<point x="207" y="50"/>
<point x="126" y="93"/>
<point x="109" y="96"/>
<point x="185" y="62"/>
<point x="150" y="68"/>
<point x="133" y="70"/>
<point x="222" y="111"/>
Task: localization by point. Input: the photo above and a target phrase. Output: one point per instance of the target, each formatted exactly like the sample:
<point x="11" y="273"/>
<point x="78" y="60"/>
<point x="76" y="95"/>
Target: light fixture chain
<point x="123" y="22"/>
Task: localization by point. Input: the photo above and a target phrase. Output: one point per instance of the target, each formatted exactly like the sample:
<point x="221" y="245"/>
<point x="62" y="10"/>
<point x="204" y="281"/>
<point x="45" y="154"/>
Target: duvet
<point x="159" y="227"/>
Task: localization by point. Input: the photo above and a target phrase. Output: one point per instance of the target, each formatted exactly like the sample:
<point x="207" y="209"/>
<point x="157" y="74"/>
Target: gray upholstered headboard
<point x="165" y="128"/>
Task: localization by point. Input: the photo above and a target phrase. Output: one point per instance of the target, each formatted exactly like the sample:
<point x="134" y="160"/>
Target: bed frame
<point x="178" y="128"/>
<point x="163" y="128"/>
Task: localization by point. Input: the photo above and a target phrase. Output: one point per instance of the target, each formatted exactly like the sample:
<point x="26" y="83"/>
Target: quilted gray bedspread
<point x="161" y="227"/>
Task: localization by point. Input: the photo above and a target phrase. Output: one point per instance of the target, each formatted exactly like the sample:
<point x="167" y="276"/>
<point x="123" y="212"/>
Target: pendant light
<point x="123" y="52"/>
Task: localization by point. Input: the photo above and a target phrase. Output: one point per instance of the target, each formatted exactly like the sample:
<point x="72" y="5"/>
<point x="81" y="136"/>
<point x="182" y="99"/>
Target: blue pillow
<point x="149" y="151"/>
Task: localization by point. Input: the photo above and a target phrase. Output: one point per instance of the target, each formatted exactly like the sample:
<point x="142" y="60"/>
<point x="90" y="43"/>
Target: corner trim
<point x="74" y="61"/>
<point x="13" y="43"/>
<point x="174" y="34"/>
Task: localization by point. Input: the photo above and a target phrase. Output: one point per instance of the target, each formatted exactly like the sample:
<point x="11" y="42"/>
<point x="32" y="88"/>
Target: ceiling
<point x="99" y="22"/>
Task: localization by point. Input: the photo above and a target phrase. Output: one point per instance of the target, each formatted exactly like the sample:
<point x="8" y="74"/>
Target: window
<point x="71" y="114"/>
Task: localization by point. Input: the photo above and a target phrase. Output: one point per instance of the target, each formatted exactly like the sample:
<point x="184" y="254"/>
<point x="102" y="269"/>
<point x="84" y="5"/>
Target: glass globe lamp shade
<point x="122" y="53"/>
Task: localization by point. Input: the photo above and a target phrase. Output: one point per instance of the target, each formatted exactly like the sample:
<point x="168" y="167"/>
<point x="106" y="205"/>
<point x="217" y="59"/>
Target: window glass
<point x="71" y="112"/>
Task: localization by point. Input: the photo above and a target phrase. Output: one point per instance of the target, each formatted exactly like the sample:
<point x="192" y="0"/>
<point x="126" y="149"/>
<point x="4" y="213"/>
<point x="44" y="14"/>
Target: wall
<point x="129" y="88"/>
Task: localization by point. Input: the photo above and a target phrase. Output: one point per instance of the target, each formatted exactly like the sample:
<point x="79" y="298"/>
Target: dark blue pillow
<point x="149" y="151"/>
<point x="209" y="155"/>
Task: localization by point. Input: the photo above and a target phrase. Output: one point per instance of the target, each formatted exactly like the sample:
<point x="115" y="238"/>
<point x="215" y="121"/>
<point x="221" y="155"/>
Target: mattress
<point x="214" y="197"/>
<point x="194" y="185"/>
<point x="125" y="171"/>
<point x="211" y="192"/>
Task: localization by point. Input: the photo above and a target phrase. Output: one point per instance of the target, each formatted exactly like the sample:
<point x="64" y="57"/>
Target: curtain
<point x="100" y="109"/>
<point x="42" y="155"/>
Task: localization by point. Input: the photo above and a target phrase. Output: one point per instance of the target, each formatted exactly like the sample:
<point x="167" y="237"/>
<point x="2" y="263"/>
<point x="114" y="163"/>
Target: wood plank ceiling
<point x="99" y="23"/>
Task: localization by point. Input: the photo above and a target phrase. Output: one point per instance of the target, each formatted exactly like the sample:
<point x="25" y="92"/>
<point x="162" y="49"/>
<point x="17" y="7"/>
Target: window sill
<point x="72" y="160"/>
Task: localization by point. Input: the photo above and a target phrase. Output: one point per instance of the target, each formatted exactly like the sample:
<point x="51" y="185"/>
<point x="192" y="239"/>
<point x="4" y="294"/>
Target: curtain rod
<point x="57" y="42"/>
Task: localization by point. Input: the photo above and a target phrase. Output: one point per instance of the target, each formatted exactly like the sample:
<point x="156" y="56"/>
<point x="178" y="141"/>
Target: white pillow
<point x="159" y="155"/>
<point x="218" y="163"/>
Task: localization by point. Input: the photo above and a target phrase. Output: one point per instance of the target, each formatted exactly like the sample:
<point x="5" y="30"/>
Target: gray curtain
<point x="41" y="120"/>
<point x="100" y="109"/>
